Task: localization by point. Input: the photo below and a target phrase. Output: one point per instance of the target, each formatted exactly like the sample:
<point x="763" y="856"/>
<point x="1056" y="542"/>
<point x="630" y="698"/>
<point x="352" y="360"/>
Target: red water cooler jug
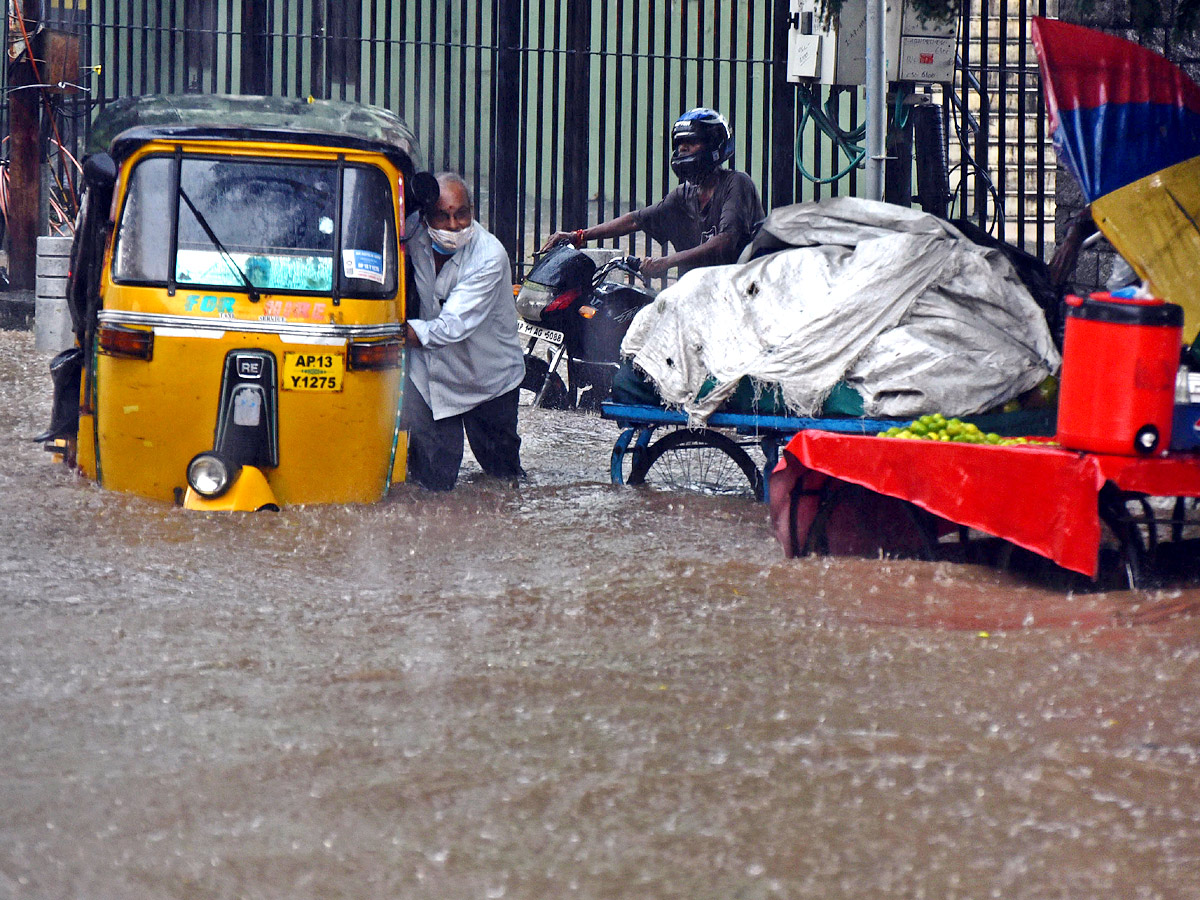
<point x="1120" y="359"/>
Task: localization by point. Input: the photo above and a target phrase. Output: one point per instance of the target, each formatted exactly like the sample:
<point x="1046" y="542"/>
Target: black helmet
<point x="709" y="128"/>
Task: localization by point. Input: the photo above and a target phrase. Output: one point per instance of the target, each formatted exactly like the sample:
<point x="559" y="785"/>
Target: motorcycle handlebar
<point x="633" y="265"/>
<point x="630" y="264"/>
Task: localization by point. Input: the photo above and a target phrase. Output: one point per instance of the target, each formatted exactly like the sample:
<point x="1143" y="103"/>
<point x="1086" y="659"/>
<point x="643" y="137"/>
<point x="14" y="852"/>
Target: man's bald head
<point x="454" y="210"/>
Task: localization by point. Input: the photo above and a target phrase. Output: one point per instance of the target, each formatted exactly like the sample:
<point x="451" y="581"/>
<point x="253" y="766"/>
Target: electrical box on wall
<point x="917" y="48"/>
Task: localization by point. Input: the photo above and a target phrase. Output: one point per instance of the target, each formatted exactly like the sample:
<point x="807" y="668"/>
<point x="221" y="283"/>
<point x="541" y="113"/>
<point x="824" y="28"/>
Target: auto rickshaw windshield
<point x="269" y="223"/>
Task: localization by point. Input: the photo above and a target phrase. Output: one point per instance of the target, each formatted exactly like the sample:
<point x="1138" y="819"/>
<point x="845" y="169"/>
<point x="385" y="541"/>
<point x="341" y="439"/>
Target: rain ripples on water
<point x="568" y="689"/>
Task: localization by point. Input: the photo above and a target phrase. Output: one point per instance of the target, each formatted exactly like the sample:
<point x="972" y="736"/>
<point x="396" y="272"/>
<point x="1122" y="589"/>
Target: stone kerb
<point x="52" y="330"/>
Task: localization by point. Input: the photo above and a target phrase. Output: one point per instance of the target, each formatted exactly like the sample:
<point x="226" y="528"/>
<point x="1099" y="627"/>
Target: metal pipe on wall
<point x="876" y="91"/>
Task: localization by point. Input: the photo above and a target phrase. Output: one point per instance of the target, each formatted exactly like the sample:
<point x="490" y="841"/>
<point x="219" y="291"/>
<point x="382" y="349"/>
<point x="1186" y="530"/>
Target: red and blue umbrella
<point x="1118" y="112"/>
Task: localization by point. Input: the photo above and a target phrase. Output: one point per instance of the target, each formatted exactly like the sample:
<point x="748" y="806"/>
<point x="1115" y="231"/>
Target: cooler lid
<point x="1120" y="309"/>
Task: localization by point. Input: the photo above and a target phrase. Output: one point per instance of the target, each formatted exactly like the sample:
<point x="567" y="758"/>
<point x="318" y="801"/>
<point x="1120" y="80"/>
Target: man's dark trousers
<point x="435" y="448"/>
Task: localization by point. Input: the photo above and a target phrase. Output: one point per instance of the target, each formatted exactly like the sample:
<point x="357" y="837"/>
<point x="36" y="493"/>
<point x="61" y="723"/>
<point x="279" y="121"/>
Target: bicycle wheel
<point x="698" y="460"/>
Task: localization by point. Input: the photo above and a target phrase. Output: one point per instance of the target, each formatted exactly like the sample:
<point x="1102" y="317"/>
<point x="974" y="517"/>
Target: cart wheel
<point x="1131" y="554"/>
<point x="854" y="521"/>
<point x="1134" y="546"/>
<point x="698" y="459"/>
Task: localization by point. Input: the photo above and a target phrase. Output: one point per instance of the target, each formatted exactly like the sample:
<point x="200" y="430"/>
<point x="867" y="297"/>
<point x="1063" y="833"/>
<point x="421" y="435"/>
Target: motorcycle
<point x="573" y="306"/>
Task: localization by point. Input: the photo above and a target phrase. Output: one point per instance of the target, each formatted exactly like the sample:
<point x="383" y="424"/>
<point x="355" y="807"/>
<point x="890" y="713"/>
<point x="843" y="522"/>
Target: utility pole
<point x="24" y="175"/>
<point x="577" y="123"/>
<point x="783" y="115"/>
<point x="504" y="185"/>
<point x="876" y="90"/>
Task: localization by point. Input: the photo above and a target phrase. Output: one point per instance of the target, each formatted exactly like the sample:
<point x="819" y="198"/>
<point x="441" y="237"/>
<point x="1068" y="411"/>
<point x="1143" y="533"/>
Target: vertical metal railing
<point x="559" y="113"/>
<point x="999" y="144"/>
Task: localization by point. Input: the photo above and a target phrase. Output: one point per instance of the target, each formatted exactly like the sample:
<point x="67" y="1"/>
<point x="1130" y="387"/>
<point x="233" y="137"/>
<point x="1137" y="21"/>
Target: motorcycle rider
<point x="707" y="220"/>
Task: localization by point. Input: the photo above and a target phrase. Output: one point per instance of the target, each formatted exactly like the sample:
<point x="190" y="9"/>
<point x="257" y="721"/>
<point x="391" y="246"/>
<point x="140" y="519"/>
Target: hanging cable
<point x="825" y="119"/>
<point x="68" y="190"/>
<point x="964" y="125"/>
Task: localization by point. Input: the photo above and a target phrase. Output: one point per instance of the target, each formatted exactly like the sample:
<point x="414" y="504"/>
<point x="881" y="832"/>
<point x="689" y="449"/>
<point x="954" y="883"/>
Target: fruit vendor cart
<point x="1125" y="458"/>
<point x="843" y="494"/>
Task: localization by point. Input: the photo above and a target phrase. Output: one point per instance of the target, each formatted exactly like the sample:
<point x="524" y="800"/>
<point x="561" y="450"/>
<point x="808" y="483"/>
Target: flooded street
<point x="564" y="690"/>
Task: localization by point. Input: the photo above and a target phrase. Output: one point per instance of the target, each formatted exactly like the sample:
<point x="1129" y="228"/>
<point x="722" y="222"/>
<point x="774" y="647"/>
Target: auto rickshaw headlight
<point x="209" y="474"/>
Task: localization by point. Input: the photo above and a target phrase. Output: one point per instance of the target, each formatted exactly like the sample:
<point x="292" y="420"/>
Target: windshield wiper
<point x="251" y="290"/>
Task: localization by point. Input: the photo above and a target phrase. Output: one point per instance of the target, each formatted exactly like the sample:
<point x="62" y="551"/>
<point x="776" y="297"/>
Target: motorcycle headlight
<point x="532" y="300"/>
<point x="209" y="474"/>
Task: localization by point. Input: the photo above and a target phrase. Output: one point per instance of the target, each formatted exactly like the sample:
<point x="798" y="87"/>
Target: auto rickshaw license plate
<point x="313" y="371"/>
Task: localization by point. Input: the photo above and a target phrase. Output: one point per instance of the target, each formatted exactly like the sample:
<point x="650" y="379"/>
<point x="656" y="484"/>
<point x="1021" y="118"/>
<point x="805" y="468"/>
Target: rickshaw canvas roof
<point x="171" y="114"/>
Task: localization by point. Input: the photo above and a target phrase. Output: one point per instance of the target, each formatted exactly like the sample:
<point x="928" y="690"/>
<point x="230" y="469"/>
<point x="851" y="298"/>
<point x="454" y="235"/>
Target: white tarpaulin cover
<point x="897" y="302"/>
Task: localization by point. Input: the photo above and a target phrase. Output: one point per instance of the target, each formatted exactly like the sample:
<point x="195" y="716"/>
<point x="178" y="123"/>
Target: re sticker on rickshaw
<point x="313" y="371"/>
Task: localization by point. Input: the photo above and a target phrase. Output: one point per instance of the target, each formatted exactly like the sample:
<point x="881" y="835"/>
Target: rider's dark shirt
<point x="677" y="218"/>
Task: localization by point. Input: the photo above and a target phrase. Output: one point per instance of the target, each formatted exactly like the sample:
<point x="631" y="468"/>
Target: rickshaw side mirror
<point x="423" y="190"/>
<point x="100" y="172"/>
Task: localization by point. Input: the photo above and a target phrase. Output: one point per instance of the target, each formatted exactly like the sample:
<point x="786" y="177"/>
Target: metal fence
<point x="1005" y="148"/>
<point x="558" y="113"/>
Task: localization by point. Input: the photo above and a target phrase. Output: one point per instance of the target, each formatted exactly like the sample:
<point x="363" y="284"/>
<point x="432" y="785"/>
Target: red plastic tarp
<point x="1044" y="499"/>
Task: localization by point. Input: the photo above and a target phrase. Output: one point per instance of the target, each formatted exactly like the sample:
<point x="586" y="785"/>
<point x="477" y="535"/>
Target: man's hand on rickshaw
<point x="654" y="266"/>
<point x="574" y="238"/>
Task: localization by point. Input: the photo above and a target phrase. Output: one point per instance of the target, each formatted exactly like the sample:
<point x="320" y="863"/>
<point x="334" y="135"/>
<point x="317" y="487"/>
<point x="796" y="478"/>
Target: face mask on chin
<point x="450" y="242"/>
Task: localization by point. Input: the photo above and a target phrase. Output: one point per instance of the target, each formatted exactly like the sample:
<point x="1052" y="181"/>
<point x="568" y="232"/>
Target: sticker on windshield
<point x="363" y="264"/>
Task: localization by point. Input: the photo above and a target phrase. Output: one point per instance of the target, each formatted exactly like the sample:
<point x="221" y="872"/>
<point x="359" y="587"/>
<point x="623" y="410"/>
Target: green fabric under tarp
<point x="751" y="398"/>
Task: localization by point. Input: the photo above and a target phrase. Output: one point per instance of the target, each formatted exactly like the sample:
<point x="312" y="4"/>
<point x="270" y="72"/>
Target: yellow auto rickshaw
<point x="237" y="293"/>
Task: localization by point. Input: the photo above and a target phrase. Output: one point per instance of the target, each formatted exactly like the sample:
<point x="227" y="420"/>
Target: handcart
<point x="837" y="494"/>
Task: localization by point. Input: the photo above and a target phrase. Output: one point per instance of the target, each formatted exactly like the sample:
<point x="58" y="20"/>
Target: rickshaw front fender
<point x="249" y="492"/>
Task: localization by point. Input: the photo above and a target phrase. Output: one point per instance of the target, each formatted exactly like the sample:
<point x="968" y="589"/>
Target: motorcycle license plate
<point x="536" y="331"/>
<point x="312" y="371"/>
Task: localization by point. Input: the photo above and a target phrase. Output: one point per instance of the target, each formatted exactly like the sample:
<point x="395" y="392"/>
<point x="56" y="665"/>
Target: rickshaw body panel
<point x="334" y="447"/>
<point x="337" y="439"/>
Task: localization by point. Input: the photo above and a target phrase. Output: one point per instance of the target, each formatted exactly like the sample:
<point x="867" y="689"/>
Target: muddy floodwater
<point x="562" y="690"/>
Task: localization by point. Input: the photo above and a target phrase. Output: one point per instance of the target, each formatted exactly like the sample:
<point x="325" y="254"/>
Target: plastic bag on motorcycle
<point x="556" y="280"/>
